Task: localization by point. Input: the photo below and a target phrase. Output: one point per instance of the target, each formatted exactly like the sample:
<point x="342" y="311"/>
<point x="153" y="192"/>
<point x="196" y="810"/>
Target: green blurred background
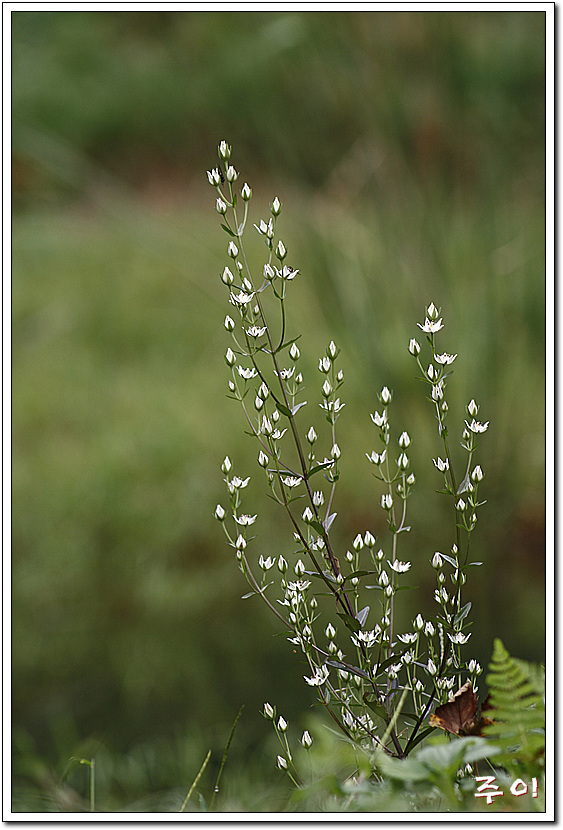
<point x="408" y="150"/>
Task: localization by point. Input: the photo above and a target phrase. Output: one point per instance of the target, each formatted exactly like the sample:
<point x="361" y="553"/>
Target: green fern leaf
<point x="517" y="701"/>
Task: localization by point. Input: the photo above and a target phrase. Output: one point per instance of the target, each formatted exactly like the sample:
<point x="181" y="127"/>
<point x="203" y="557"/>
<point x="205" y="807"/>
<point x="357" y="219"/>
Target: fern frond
<point x="517" y="700"/>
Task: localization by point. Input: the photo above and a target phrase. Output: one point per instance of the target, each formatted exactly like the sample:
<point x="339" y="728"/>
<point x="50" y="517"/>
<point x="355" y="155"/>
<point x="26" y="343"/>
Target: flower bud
<point x="226" y="466"/>
<point x="227" y="277"/>
<point x="246" y="192"/>
<point x="294" y="352"/>
<point x="230" y="357"/>
<point x="276" y="207"/>
<point x="311" y="436"/>
<point x="432" y="312"/>
<point x="263" y="459"/>
<point x="219" y="513"/>
<point x="282" y="724"/>
<point x="385" y="396"/>
<point x="224" y="151"/>
<point x="477" y="474"/>
<point x="358" y="542"/>
<point x="221" y="207"/>
<point x="414" y="348"/>
<point x="282" y="763"/>
<point x="282" y="565"/>
<point x="306" y="740"/>
<point x="437" y="561"/>
<point x="232" y="250"/>
<point x="232" y="174"/>
<point x="229" y="323"/>
<point x="281" y="252"/>
<point x="268" y="711"/>
<point x="369" y="539"/>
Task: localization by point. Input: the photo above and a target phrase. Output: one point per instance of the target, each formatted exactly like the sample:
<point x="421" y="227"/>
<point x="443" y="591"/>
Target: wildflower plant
<point x="379" y="685"/>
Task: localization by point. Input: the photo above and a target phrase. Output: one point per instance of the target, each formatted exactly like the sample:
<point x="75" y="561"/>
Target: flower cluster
<point x="361" y="665"/>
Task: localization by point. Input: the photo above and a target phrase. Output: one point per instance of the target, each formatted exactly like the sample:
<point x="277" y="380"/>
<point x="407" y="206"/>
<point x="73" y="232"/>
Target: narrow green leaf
<point x="229" y="231"/>
<point x="351" y="623"/>
<point x="284" y="410"/>
<point x="461" y="615"/>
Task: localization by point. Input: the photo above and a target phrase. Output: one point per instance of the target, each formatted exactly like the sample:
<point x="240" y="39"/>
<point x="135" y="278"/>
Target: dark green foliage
<point x="517" y="698"/>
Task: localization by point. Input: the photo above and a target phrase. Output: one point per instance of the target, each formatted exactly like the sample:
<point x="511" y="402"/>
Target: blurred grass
<point x="408" y="151"/>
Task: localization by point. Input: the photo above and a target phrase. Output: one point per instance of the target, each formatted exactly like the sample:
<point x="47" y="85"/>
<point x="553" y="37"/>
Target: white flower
<point x="245" y="519"/>
<point x="268" y="711"/>
<point x="262" y="228"/>
<point x="472" y="408"/>
<point x="407" y="638"/>
<point x="438" y="391"/>
<point x="246" y="192"/>
<point x="414" y="347"/>
<point x="280" y="250"/>
<point x="431" y="667"/>
<point x="387" y="501"/>
<point x="476" y="426"/>
<point x="445" y="359"/>
<point x="221" y="207"/>
<point x="240" y="543"/>
<point x="276" y="206"/>
<point x="294" y="352"/>
<point x="299" y="568"/>
<point x="226" y="465"/>
<point x="441" y="464"/>
<point x="369" y="539"/>
<point x="418" y="622"/>
<point x="320" y="676"/>
<point x="230" y="357"/>
<point x="318" y="498"/>
<point x="404" y="440"/>
<point x="232" y="250"/>
<point x="291" y="481"/>
<point x="330" y="631"/>
<point x="282" y="565"/>
<point x="247" y="374"/>
<point x="214" y="177"/>
<point x="239" y="483"/>
<point x="430" y="326"/>
<point x="287" y="272"/>
<point x="219" y="513"/>
<point x="385" y="396"/>
<point x="399" y="567"/>
<point x="232" y="174"/>
<point x="282" y="724"/>
<point x="282" y="763"/>
<point x="459" y="638"/>
<point x="367" y="638"/>
<point x="229" y="323"/>
<point x="379" y="420"/>
<point x="241" y="299"/>
<point x="256" y="331"/>
<point x="376" y="458"/>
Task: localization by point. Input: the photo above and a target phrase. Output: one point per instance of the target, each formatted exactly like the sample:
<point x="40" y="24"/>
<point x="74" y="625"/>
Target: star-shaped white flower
<point x="431" y="326"/>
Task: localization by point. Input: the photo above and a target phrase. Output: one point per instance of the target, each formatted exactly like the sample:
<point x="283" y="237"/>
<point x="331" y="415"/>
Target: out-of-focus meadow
<point x="408" y="151"/>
